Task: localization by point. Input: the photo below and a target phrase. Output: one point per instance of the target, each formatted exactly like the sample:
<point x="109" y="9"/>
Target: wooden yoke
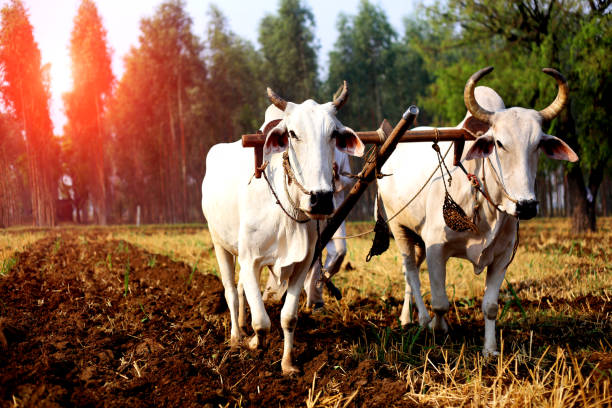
<point x="257" y="140"/>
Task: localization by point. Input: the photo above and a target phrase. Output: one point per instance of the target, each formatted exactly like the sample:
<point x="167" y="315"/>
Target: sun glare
<point x="61" y="82"/>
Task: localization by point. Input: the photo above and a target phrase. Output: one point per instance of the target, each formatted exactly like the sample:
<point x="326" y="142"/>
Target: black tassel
<point x="381" y="239"/>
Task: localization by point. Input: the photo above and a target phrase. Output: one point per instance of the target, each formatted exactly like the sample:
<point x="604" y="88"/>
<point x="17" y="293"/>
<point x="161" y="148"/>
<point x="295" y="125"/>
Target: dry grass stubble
<point x="554" y="328"/>
<point x="555" y="324"/>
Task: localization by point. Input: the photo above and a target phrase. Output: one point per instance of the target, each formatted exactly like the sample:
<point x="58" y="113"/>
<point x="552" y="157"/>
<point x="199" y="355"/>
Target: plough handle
<point x="367" y="175"/>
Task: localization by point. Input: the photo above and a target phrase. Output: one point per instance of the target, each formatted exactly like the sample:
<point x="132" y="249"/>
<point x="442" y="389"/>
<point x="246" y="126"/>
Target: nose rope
<point x="294" y="218"/>
<point x="500" y="182"/>
<point x="291" y="175"/>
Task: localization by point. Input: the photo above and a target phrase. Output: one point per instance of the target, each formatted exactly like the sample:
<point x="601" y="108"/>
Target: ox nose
<point x="526" y="209"/>
<point x="322" y="202"/>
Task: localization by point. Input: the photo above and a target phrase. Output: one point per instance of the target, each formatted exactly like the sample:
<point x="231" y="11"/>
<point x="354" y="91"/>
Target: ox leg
<point x="249" y="275"/>
<point x="226" y="267"/>
<point x="436" y="263"/>
<point x="242" y="305"/>
<point x="313" y="286"/>
<point x="289" y="318"/>
<point x="413" y="254"/>
<point x="411" y="264"/>
<point x="490" y="306"/>
<point x="241" y="309"/>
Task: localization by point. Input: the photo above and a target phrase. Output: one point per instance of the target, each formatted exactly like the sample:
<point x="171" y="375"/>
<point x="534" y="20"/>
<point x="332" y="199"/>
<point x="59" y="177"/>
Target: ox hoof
<point x="424" y="320"/>
<point x="235" y="341"/>
<point x="490" y="354"/>
<point x="257" y="342"/>
<point x="289" y="369"/>
<point x="438" y="325"/>
<point x="405" y="319"/>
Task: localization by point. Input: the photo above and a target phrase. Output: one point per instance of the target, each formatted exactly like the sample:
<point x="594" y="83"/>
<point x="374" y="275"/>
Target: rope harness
<point x="288" y="179"/>
<point x="401" y="209"/>
<point x="454" y="216"/>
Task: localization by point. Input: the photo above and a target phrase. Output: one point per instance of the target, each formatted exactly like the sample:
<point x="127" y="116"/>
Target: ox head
<point x="310" y="132"/>
<point x="513" y="139"/>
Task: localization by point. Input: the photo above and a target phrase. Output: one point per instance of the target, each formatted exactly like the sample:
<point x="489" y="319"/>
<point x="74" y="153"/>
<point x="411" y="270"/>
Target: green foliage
<point x="151" y="261"/>
<point x="126" y="279"/>
<point x="289" y="49"/>
<point x="193" y="271"/>
<point x="589" y="52"/>
<point x="56" y="245"/>
<point x="236" y="87"/>
<point x="519" y="41"/>
<point x="384" y="75"/>
<point x="8" y="265"/>
<point x="147" y="316"/>
<point x="520" y="38"/>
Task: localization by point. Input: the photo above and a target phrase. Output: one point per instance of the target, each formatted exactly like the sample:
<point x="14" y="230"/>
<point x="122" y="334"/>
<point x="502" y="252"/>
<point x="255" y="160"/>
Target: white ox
<point x="512" y="140"/>
<point x="245" y="220"/>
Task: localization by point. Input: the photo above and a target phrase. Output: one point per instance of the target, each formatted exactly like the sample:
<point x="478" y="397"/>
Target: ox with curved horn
<point x="504" y="158"/>
<point x="340" y="97"/>
<point x="547" y="114"/>
<point x="258" y="223"/>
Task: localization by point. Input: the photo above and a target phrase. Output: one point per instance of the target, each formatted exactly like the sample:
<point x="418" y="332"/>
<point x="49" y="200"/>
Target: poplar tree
<point x="385" y="74"/>
<point x="155" y="113"/>
<point x="86" y="107"/>
<point x="14" y="194"/>
<point x="290" y="49"/>
<point x="25" y="90"/>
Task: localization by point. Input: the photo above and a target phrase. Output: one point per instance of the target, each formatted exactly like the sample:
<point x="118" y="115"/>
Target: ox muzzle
<point x="322" y="203"/>
<point x="526" y="209"/>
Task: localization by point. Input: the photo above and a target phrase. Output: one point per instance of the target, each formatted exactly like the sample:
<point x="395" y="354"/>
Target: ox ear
<point x="348" y="142"/>
<point x="476" y="126"/>
<point x="482" y="147"/>
<point x="557" y="149"/>
<point x="277" y="140"/>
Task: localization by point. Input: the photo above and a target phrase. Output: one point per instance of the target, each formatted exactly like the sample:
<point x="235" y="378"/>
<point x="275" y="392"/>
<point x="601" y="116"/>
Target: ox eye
<point x="500" y="145"/>
<point x="293" y="135"/>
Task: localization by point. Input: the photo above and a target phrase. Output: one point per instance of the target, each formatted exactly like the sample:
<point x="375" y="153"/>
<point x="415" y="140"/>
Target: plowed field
<point x="87" y="319"/>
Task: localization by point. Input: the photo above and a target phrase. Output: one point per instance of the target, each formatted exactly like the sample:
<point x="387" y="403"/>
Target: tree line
<point x="133" y="148"/>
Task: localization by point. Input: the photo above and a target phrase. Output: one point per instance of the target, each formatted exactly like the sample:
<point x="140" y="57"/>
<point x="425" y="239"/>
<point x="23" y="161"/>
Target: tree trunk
<point x="99" y="169"/>
<point x="595" y="180"/>
<point x="583" y="218"/>
<point x="183" y="154"/>
<point x="173" y="162"/>
<point x="579" y="204"/>
<point x="548" y="182"/>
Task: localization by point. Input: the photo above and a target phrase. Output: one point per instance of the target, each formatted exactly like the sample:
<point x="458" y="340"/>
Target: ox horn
<point x="276" y="100"/>
<point x="470" y="100"/>
<point x="341" y="96"/>
<point x="552" y="110"/>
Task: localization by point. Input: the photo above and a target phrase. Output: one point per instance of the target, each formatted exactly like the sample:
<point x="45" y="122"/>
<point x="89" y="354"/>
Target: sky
<point x="53" y="19"/>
